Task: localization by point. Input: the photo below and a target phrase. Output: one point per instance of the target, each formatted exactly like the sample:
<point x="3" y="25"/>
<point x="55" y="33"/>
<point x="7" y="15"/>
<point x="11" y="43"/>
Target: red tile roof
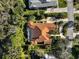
<point x="40" y="31"/>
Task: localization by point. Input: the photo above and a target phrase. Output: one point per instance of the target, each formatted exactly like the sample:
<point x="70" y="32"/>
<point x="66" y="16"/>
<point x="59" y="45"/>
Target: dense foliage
<point x="62" y="3"/>
<point x="11" y="26"/>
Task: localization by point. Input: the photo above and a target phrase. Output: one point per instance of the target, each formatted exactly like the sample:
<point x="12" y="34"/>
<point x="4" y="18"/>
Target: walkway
<point x="59" y="10"/>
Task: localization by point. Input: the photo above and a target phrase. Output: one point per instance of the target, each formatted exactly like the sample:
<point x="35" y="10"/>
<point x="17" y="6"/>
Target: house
<point x="41" y="3"/>
<point x="38" y="32"/>
<point x="49" y="56"/>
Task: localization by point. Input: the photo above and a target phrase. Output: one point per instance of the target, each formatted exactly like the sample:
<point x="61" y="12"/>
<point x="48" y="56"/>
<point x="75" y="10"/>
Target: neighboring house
<point x="42" y="3"/>
<point x="38" y="32"/>
<point x="49" y="56"/>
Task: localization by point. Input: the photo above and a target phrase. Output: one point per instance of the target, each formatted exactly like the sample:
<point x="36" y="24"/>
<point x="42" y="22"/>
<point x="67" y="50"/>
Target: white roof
<point x="49" y="56"/>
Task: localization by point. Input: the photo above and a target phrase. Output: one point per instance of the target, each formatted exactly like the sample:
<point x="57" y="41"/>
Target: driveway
<point x="59" y="10"/>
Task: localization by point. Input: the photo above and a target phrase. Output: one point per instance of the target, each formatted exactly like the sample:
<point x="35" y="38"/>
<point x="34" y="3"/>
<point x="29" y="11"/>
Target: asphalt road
<point x="70" y="10"/>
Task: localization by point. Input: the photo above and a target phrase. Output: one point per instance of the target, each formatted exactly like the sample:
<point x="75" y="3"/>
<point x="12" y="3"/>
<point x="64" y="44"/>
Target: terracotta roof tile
<point x="40" y="31"/>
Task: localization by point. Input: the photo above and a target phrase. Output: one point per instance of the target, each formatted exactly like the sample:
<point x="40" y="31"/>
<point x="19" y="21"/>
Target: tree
<point x="57" y="47"/>
<point x="14" y="53"/>
<point x="62" y="3"/>
<point x="75" y="51"/>
<point x="11" y="13"/>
